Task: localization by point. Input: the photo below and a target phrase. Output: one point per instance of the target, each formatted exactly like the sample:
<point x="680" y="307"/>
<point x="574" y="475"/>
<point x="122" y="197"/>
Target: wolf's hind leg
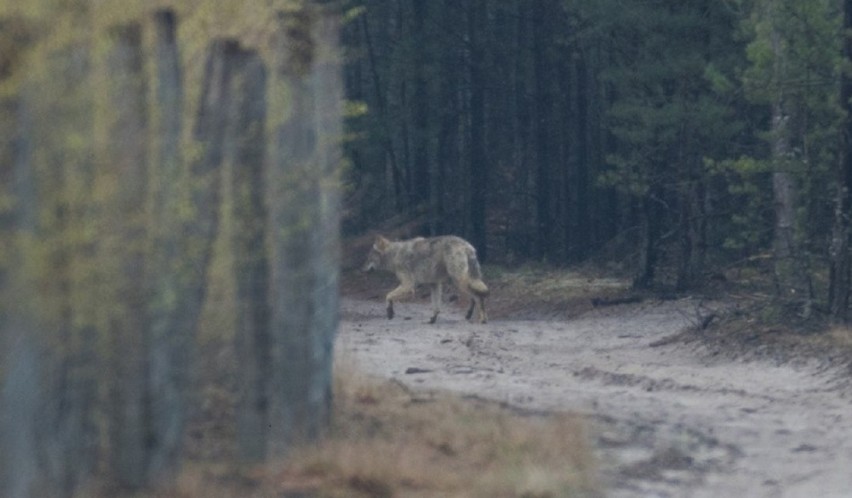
<point x="470" y="309"/>
<point x="477" y="302"/>
<point x="483" y="316"/>
<point x="436" y="301"/>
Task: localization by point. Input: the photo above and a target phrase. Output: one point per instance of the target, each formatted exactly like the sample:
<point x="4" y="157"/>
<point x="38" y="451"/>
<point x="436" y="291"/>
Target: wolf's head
<point x="375" y="259"/>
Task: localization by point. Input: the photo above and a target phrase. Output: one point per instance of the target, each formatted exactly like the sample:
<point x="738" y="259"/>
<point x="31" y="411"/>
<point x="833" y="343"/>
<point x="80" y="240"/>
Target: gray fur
<point x="431" y="261"/>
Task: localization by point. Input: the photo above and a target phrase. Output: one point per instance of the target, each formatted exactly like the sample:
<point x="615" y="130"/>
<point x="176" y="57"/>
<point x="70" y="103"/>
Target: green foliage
<point x="808" y="39"/>
<point x="669" y="95"/>
<point x="794" y="59"/>
<point x="749" y="201"/>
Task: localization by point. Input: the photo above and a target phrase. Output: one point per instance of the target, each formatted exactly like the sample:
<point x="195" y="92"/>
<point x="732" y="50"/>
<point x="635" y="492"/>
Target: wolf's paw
<point x="390" y="313"/>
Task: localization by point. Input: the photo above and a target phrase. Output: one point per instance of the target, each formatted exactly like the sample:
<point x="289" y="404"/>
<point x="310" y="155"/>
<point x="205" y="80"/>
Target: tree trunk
<point x="839" y="276"/>
<point x="790" y="275"/>
<point x="245" y="147"/>
<point x="199" y="232"/>
<point x="396" y="177"/>
<point x="421" y="175"/>
<point x="20" y="366"/>
<point x="782" y="191"/>
<point x="478" y="170"/>
<point x="22" y="392"/>
<point x="581" y="238"/>
<point x="44" y="250"/>
<point x="169" y="344"/>
<point x="448" y="149"/>
<point x="692" y="223"/>
<point x="127" y="156"/>
<point x="522" y="237"/>
<point x="304" y="229"/>
<point x="648" y="246"/>
<point x="543" y="103"/>
<point x="21" y="395"/>
<point x="62" y="174"/>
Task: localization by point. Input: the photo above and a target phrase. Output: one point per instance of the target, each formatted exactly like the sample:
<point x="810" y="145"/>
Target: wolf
<point x="433" y="261"/>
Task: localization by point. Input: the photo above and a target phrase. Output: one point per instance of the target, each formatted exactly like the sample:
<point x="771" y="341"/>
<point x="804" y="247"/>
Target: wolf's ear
<point x="381" y="243"/>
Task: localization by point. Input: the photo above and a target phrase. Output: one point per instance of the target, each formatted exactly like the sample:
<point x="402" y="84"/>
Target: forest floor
<point x="674" y="408"/>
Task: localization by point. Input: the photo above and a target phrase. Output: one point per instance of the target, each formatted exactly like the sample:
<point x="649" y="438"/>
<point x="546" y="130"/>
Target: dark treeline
<point x="673" y="138"/>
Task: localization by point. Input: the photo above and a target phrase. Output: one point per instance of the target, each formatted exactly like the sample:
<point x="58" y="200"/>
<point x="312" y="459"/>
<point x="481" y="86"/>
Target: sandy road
<point x="667" y="420"/>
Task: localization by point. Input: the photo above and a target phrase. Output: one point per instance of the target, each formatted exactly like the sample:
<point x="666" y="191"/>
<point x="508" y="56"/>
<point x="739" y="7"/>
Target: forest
<point x="670" y="142"/>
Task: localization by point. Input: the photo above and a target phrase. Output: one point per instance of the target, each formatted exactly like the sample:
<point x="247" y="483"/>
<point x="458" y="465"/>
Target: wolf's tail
<point x="475" y="283"/>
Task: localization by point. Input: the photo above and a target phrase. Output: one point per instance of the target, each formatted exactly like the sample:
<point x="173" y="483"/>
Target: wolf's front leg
<point x="395" y="294"/>
<point x="436" y="301"/>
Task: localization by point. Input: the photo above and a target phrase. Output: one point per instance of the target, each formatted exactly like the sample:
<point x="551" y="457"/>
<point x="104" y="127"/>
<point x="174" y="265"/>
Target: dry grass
<point x="389" y="442"/>
<point x="841" y="336"/>
<point x="547" y="293"/>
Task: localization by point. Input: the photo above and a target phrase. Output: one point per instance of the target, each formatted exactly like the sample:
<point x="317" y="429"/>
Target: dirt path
<point x="668" y="420"/>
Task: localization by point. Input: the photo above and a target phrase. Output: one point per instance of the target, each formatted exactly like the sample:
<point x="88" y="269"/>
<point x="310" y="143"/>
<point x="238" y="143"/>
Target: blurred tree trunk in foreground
<point x="245" y="142"/>
<point x="304" y="228"/>
<point x="58" y="170"/>
<point x="169" y="341"/>
<point x="125" y="162"/>
<point x="20" y="391"/>
<point x="107" y="225"/>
